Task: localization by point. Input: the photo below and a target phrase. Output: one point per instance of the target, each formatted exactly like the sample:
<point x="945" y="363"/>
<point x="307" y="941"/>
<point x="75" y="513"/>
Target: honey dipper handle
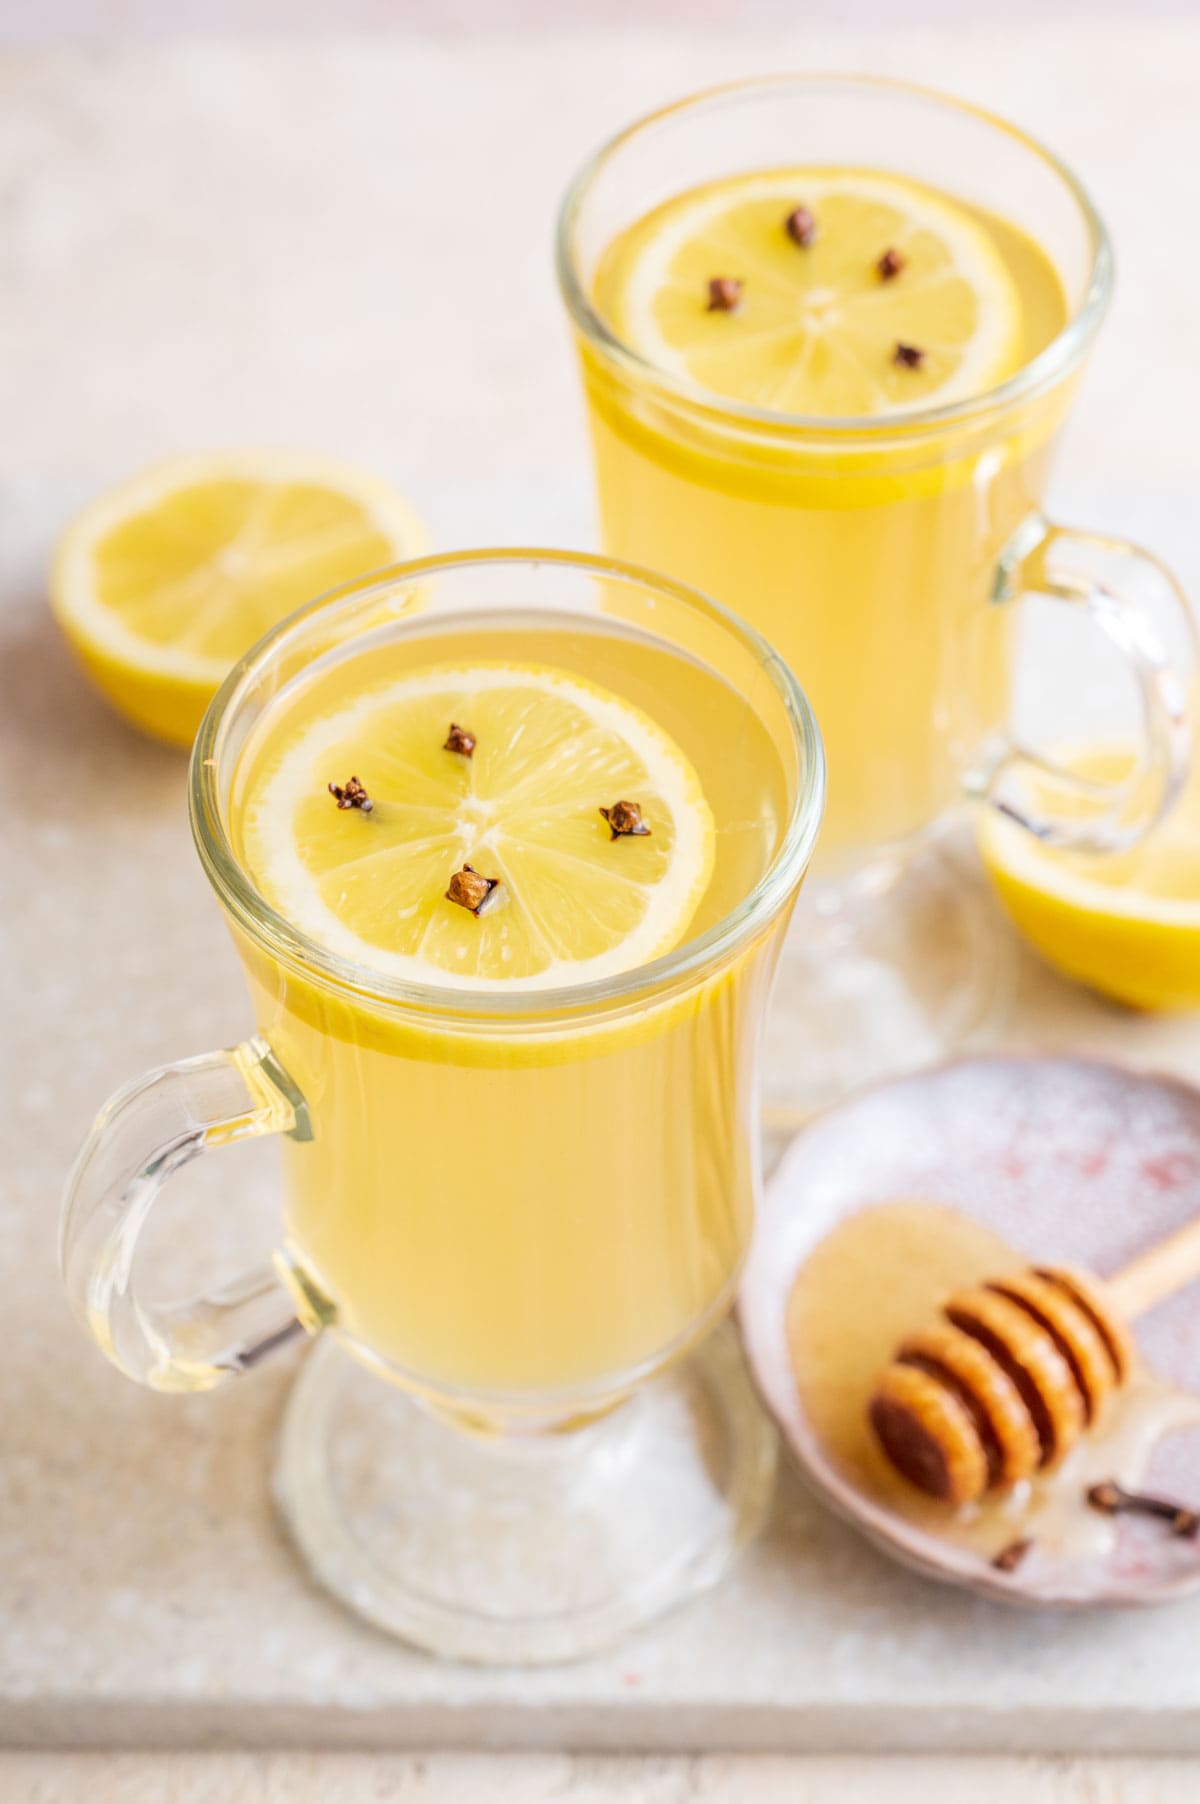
<point x="1157" y="1273"/>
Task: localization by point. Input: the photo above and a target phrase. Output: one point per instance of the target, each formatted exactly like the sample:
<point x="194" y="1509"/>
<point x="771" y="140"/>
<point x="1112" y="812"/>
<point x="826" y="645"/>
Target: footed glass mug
<point x="505" y="1213"/>
<point x="883" y="556"/>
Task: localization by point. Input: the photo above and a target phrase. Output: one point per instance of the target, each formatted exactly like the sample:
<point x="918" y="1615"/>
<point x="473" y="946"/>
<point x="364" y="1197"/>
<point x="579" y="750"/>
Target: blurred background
<point x="330" y="225"/>
<point x="145" y="17"/>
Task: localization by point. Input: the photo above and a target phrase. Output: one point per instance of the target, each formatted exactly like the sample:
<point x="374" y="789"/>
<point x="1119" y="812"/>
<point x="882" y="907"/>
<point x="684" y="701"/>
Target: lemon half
<point x="163" y="583"/>
<point x="551" y="750"/>
<point x="816" y="328"/>
<point x="1128" y="925"/>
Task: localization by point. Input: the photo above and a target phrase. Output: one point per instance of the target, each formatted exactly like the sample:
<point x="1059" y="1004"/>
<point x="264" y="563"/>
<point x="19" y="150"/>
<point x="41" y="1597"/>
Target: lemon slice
<point x="163" y="583"/>
<point x="1128" y="925"/>
<point x="816" y="328"/>
<point x="572" y="902"/>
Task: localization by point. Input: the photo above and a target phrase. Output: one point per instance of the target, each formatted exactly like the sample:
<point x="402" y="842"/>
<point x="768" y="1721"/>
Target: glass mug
<point x="885" y="558"/>
<point x="505" y="1213"/>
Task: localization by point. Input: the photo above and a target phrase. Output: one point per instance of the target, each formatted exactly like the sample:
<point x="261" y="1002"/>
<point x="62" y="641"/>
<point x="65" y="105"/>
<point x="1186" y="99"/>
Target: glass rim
<point x="1055" y="360"/>
<point x="282" y="939"/>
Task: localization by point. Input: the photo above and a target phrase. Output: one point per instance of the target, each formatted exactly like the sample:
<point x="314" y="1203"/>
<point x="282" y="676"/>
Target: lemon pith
<point x="816" y="328"/>
<point x="1127" y="926"/>
<point x="551" y="750"/>
<point x="161" y="584"/>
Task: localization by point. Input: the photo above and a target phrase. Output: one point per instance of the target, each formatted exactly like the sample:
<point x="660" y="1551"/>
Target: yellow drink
<point x="867" y="557"/>
<point x="537" y="1201"/>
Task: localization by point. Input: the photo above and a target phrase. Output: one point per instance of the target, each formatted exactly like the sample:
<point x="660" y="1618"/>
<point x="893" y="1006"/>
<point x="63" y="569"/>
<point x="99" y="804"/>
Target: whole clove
<point x="625" y="821"/>
<point x="351" y="794"/>
<point x="1112" y="1499"/>
<point x="1010" y="1557"/>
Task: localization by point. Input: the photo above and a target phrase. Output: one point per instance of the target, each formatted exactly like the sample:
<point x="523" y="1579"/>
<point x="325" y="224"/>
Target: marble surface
<point x="345" y="246"/>
<point x="310" y="1778"/>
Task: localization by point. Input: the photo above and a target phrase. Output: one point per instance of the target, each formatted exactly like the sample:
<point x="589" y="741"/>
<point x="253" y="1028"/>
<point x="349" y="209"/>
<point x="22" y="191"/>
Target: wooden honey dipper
<point x="1016" y="1370"/>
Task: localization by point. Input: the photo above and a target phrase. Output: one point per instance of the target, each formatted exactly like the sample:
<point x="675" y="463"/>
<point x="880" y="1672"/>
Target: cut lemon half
<point x="571" y="902"/>
<point x="163" y="583"/>
<point x="817" y="328"/>
<point x="1128" y="925"/>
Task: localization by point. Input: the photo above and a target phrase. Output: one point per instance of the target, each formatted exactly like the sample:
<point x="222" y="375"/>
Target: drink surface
<point x="867" y="557"/>
<point x="855" y="293"/>
<point x="555" y="725"/>
<point x="514" y="1208"/>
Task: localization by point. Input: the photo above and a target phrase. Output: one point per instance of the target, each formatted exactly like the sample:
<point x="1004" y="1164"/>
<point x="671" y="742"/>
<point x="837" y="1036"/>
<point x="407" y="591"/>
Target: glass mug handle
<point x="1059" y="563"/>
<point x="144" y="1134"/>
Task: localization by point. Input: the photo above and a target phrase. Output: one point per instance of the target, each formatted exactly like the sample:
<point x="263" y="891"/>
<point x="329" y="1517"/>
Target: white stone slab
<point x="311" y="1778"/>
<point x="229" y="244"/>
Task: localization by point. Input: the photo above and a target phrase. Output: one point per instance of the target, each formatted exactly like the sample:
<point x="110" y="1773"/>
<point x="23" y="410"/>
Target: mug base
<point x="902" y="965"/>
<point x="522" y="1550"/>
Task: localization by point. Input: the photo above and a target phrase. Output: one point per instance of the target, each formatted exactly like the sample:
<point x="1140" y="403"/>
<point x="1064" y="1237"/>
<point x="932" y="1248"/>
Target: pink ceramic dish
<point x="1071" y="1162"/>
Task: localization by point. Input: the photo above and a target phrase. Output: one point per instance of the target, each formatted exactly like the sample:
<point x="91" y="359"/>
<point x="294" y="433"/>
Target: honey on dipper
<point x="1003" y="1385"/>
